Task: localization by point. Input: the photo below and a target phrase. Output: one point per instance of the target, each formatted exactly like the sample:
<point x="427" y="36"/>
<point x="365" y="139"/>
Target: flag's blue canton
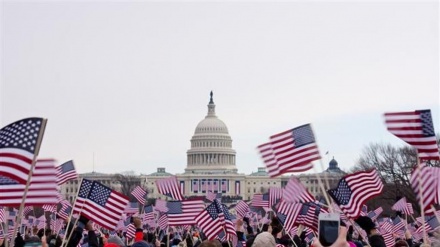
<point x="174" y="207"/>
<point x="303" y="135"/>
<point x="222" y="236"/>
<point x="427" y="124"/>
<point x="304" y="209"/>
<point x="226" y="212"/>
<point x="31" y="221"/>
<point x="282" y="217"/>
<point x="212" y="210"/>
<point x="397" y="220"/>
<point x="68" y="166"/>
<point x="372" y="214"/>
<point x="67" y="210"/>
<point x="433" y="222"/>
<point x="342" y="193"/>
<point x="5" y="181"/>
<point x="84" y="190"/>
<point x="99" y="194"/>
<point x="148" y="209"/>
<point x="265" y="197"/>
<point x="21" y="135"/>
<point x="134" y="204"/>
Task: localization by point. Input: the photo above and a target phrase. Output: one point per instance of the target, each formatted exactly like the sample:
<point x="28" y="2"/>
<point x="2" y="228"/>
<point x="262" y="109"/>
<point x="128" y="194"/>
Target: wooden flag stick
<point x="422" y="209"/>
<point x="70" y="218"/>
<point x="324" y="192"/>
<point x="28" y="182"/>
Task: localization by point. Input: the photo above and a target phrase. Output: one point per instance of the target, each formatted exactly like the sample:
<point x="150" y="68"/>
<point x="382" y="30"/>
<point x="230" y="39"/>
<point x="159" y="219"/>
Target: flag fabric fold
<point x="18" y="144"/>
<point x="290" y="151"/>
<point x="417" y="129"/>
<point x="100" y="204"/>
<point x="66" y="172"/>
<point x="354" y="190"/>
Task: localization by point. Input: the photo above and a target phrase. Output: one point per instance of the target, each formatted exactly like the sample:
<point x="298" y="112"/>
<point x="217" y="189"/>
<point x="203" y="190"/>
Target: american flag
<point x="389" y="239"/>
<point x="203" y="185"/>
<point x="27" y="210"/>
<point x="398" y="224"/>
<point x="183" y="212"/>
<point x="132" y="208"/>
<point x="293" y="151"/>
<point x="228" y="225"/>
<point x="260" y="200"/>
<point x="100" y="203"/>
<point x="162" y="222"/>
<point x="66" y="172"/>
<point x="309" y="214"/>
<point x="296" y="192"/>
<point x="242" y="208"/>
<point x="161" y="206"/>
<point x="2" y="214"/>
<point x="139" y="194"/>
<point x="215" y="185"/>
<point x="131" y="230"/>
<point x="431" y="224"/>
<point x="386" y="226"/>
<point x="210" y="220"/>
<point x="148" y="213"/>
<point x="211" y="196"/>
<point x="169" y="187"/>
<point x="410" y="208"/>
<point x="288" y="213"/>
<point x="18" y="143"/>
<point x="373" y="215"/>
<point x="224" y="186"/>
<point x="354" y="190"/>
<point x="65" y="210"/>
<point x="50" y="208"/>
<point x="426" y="191"/>
<point x="195" y="186"/>
<point x="364" y="210"/>
<point x="275" y="194"/>
<point x="269" y="159"/>
<point x="42" y="189"/>
<point x="401" y="205"/>
<point x="417" y="129"/>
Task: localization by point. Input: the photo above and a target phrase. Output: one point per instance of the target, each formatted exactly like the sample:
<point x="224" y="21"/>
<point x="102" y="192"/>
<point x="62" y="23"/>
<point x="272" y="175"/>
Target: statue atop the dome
<point x="211" y="101"/>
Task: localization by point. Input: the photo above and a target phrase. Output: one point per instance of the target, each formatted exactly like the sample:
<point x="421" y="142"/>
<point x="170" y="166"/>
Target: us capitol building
<point x="211" y="166"/>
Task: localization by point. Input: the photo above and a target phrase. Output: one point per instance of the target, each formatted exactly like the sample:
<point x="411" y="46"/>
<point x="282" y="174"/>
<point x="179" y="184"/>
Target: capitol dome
<point x="211" y="146"/>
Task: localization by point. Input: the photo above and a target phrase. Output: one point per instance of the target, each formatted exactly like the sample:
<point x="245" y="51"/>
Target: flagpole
<point x="422" y="208"/>
<point x="324" y="192"/>
<point x="28" y="182"/>
<point x="5" y="228"/>
<point x="70" y="218"/>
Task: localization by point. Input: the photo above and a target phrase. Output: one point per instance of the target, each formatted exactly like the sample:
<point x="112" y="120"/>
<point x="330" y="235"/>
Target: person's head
<point x="401" y="243"/>
<point x="210" y="243"/>
<point x="40" y="233"/>
<point x="116" y="241"/>
<point x="264" y="239"/>
<point x="140" y="244"/>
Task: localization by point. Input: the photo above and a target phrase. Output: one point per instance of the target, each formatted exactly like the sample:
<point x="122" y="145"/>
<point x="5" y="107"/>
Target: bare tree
<point x="128" y="181"/>
<point x="395" y="165"/>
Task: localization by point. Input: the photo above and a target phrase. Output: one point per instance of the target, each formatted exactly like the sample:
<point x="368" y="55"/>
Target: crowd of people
<point x="82" y="233"/>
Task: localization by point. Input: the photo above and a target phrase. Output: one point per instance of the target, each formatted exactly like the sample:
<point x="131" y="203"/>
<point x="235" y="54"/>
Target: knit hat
<point x="141" y="244"/>
<point x="264" y="239"/>
<point x="116" y="240"/>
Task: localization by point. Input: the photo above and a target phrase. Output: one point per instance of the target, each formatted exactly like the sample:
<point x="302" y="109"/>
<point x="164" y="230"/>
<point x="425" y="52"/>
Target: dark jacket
<point x="376" y="241"/>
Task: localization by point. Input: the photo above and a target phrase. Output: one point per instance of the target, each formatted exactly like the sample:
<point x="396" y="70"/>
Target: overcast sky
<point x="127" y="83"/>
